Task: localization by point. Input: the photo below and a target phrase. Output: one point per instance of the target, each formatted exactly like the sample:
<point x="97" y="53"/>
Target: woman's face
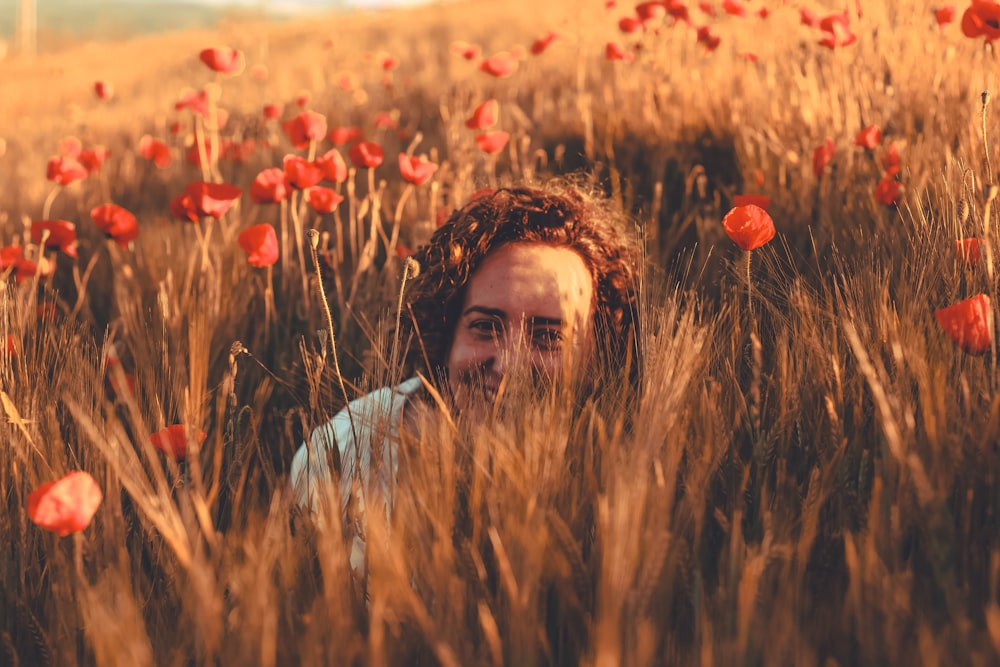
<point x="527" y="306"/>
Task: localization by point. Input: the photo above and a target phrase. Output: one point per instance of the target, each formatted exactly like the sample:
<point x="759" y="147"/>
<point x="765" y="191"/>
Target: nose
<point x="506" y="355"/>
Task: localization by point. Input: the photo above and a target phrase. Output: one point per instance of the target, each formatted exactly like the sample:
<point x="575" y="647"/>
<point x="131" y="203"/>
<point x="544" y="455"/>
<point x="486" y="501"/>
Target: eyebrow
<point x="536" y="320"/>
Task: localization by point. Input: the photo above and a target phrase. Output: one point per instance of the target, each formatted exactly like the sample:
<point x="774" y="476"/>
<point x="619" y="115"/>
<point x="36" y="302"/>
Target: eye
<point x="547" y="339"/>
<point x="486" y="328"/>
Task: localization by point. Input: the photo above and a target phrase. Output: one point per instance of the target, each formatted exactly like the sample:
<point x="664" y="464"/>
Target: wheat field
<point x="806" y="475"/>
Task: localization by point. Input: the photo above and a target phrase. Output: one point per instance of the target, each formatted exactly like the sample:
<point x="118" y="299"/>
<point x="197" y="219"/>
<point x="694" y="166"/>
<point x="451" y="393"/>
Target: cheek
<point x="464" y="353"/>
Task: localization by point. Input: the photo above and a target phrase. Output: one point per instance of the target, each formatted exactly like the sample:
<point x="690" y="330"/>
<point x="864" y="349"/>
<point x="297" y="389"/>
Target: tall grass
<point x="812" y="481"/>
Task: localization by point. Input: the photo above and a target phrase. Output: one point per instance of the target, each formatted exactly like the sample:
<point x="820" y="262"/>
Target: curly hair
<point x="557" y="213"/>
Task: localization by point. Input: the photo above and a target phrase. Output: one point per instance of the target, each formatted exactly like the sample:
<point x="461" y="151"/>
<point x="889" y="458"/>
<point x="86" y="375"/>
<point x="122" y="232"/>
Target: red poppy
<point x="66" y="505"/>
<point x="837" y="31"/>
<point x="302" y="100"/>
<point x="982" y="19"/>
<point x="196" y="101"/>
<point x="629" y="24"/>
<point x="707" y="36"/>
<point x="678" y="11"/>
<point x="416" y="170"/>
<point x="93" y="158"/>
<point x="183" y="207"/>
<point x="869" y="138"/>
<point x="761" y="201"/>
<point x="403" y="252"/>
<point x="333" y="166"/>
<point x="484" y="116"/>
<point x="366" y="155"/>
<point x="466" y="50"/>
<point x="763" y="12"/>
<point x="944" y="15"/>
<point x="969" y="250"/>
<point x="749" y="226"/>
<point x="212" y="199"/>
<point x="259" y="72"/>
<point x="500" y="65"/>
<point x="307" y="126"/>
<point x="25" y="269"/>
<point x="539" y="46"/>
<point x="749" y="57"/>
<point x="9" y="256"/>
<point x="11" y="345"/>
<point x="155" y="150"/>
<point x="239" y="152"/>
<point x="650" y="12"/>
<point x="345" y="135"/>
<point x="323" y="200"/>
<point x="301" y="173"/>
<point x="272" y="111"/>
<point x="104" y="90"/>
<point x="822" y="156"/>
<point x="887" y="191"/>
<point x="891" y="160"/>
<point x="388" y="62"/>
<point x="62" y="235"/>
<point x="65" y="170"/>
<point x="261" y="245"/>
<point x="734" y="8"/>
<point x="69" y="147"/>
<point x="808" y="17"/>
<point x="385" y="120"/>
<point x="173" y="440"/>
<point x="492" y="142"/>
<point x="223" y="60"/>
<point x="969" y="324"/>
<point x="707" y="8"/>
<point x="269" y="187"/>
<point x="116" y="222"/>
<point x="175" y="127"/>
<point x="615" y="51"/>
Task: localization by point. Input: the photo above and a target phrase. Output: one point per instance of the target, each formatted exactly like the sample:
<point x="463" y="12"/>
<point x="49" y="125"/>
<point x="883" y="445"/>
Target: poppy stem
<point x="986" y="144"/>
<point x="269" y="298"/>
<point x="397" y="214"/>
<point x="199" y="137"/>
<point x="297" y="231"/>
<point x="314" y="243"/>
<point x="47" y="206"/>
<point x="749" y="254"/>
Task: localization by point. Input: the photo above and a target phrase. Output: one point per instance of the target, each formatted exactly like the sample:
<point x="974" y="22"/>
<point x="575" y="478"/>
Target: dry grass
<point x="814" y="482"/>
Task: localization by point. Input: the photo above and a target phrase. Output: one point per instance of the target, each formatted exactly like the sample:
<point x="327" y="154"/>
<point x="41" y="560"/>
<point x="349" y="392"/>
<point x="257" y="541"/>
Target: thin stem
<point x="407" y="191"/>
<point x="986" y="144"/>
<point x="313" y="243"/>
<point x="749" y="254"/>
<point x="297" y="231"/>
<point x="393" y="355"/>
<point x="269" y="299"/>
<point x="47" y="206"/>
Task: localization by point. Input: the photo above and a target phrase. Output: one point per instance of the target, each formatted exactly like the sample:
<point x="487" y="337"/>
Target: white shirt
<point x="376" y="418"/>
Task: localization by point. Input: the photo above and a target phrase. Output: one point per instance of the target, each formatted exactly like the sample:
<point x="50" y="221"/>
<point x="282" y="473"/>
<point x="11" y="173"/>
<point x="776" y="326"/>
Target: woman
<point x="541" y="280"/>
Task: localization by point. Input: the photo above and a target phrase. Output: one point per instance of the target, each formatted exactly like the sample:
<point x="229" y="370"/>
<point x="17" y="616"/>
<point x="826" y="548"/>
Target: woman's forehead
<point x="532" y="280"/>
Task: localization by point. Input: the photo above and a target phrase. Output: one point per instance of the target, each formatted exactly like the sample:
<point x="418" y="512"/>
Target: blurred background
<point x="64" y="23"/>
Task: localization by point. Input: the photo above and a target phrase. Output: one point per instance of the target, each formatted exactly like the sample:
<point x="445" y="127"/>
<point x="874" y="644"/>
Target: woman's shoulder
<point x="366" y="412"/>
